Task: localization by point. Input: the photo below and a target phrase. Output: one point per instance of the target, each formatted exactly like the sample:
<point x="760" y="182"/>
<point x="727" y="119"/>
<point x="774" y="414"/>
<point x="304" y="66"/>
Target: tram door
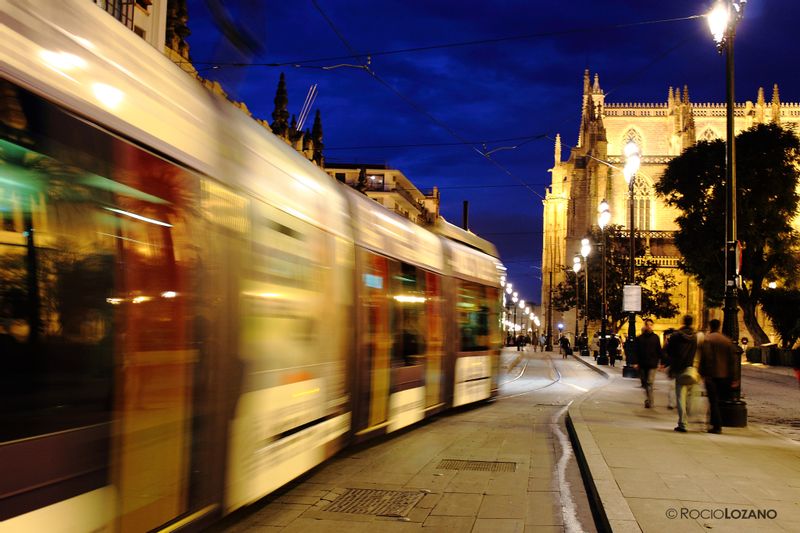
<point x="374" y="370"/>
<point x="435" y="348"/>
<point x="155" y="299"/>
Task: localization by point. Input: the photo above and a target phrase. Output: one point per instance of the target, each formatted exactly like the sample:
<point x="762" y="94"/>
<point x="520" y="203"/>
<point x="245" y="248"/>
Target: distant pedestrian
<point x="668" y="363"/>
<point x="565" y="347"/>
<point x="543" y="341"/>
<point x="595" y="347"/>
<point x="717" y="360"/>
<point x="682" y="353"/>
<point x="649" y="356"/>
<point x="520" y="342"/>
<point x="612" y="349"/>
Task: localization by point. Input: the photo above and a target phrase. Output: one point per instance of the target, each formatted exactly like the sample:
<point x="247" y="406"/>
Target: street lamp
<point x="632" y="163"/>
<point x="603" y="218"/>
<point x="576" y="267"/>
<point x="586" y="249"/>
<point x="722" y="21"/>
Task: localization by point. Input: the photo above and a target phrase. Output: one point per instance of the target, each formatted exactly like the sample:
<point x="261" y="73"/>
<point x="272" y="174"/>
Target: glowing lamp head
<point x="522" y="304"/>
<point x="603" y="215"/>
<point x="576" y="266"/>
<point x="586" y="248"/>
<point x="718" y="20"/>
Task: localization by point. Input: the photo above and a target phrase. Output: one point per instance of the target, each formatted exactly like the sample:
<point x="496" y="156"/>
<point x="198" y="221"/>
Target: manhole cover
<point x="480" y="466"/>
<point x="376" y="502"/>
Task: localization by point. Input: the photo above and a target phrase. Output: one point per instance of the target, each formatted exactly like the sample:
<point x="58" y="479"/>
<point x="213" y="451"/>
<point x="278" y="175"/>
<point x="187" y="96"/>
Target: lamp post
<point x="722" y="21"/>
<point x="603" y="218"/>
<point x="586" y="249"/>
<point x="632" y="162"/>
<point x="576" y="267"/>
<point x="515" y="299"/>
<point x="521" y="311"/>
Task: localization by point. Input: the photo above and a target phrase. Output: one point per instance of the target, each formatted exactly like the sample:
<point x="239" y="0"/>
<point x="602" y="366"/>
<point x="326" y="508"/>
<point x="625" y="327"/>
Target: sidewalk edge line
<point x="593" y="367"/>
<point x="598" y="511"/>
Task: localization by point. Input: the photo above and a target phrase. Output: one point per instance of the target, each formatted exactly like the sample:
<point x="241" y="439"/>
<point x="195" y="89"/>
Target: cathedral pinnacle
<point x="760" y="99"/>
<point x="586" y="81"/>
<point x="685" y="94"/>
<point x="596" y="86"/>
<point x="670" y="98"/>
<point x="280" y="115"/>
<point x="558" y="150"/>
<point x="776" y="105"/>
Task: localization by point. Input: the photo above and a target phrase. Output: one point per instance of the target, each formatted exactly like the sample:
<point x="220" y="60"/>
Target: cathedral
<point x="593" y="172"/>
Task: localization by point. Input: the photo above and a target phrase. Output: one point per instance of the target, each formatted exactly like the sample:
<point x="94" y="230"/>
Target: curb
<point x="610" y="509"/>
<point x="590" y="365"/>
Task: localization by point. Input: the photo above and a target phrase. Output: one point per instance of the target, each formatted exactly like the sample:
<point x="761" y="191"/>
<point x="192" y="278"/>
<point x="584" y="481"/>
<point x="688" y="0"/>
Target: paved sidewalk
<point x="645" y="473"/>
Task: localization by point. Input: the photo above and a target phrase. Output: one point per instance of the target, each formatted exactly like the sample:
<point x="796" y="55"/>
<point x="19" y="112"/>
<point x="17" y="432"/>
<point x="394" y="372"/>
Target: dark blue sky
<point x="507" y="89"/>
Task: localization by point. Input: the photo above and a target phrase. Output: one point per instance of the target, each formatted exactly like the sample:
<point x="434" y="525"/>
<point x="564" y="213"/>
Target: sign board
<point x="632" y="298"/>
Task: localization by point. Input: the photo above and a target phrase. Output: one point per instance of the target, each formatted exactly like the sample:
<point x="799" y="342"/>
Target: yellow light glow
<point x="305" y="393"/>
<point x="169" y="294"/>
<point x="140" y="299"/>
<point x="114" y="301"/>
<point x="109" y="96"/>
<point x="403" y="298"/>
<point x="261" y="294"/>
<point x="62" y="61"/>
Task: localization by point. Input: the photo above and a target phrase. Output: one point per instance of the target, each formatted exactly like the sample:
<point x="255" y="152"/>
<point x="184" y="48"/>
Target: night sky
<point x="463" y="97"/>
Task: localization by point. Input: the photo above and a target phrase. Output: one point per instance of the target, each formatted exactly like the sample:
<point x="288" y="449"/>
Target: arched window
<point x="642" y="203"/>
<point x="632" y="136"/>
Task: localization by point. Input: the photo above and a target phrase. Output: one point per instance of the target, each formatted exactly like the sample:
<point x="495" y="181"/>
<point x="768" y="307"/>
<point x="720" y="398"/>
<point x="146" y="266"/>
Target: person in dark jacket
<point x="717" y="359"/>
<point x="681" y="349"/>
<point x="649" y="355"/>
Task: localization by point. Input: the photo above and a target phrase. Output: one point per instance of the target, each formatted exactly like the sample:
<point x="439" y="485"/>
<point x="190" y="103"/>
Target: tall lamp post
<point x="586" y="249"/>
<point x="576" y="267"/>
<point x="632" y="162"/>
<point x="515" y="299"/>
<point x="722" y="21"/>
<point x="603" y="218"/>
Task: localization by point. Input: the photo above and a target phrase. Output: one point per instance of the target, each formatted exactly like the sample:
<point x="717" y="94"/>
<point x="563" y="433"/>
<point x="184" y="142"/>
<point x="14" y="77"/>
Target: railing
<point x="648" y="234"/>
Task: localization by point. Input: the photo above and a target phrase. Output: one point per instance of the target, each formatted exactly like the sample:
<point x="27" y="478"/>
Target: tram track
<point x="553" y="368"/>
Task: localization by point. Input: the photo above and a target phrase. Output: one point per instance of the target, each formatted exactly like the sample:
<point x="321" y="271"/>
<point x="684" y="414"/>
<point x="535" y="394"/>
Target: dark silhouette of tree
<point x="782" y="306"/>
<point x="767" y="160"/>
<point x="657" y="284"/>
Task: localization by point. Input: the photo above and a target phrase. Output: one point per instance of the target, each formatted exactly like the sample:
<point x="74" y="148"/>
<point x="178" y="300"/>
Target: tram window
<point x="409" y="326"/>
<point x="473" y="308"/>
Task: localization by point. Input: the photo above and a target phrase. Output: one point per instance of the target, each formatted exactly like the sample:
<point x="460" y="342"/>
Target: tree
<point x="656" y="284"/>
<point x="782" y="306"/>
<point x="767" y="160"/>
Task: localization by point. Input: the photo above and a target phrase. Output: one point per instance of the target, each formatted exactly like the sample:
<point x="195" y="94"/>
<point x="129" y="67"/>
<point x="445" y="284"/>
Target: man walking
<point x="649" y="354"/>
<point x="681" y="349"/>
<point x="717" y="359"/>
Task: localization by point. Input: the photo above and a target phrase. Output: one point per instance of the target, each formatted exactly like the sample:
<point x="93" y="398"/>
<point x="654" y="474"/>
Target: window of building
<point x="375" y="182"/>
<point x="642" y="204"/>
<point x="632" y="136"/>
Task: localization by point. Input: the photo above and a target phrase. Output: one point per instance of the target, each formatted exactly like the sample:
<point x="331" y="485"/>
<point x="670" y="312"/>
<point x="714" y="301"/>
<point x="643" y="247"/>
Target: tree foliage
<point x="656" y="284"/>
<point x="782" y="306"/>
<point x="767" y="162"/>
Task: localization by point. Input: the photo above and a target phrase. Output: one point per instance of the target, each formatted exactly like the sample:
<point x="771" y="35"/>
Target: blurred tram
<point x="191" y="313"/>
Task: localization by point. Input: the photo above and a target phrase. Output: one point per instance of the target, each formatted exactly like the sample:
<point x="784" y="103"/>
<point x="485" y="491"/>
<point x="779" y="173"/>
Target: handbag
<point x="690" y="374"/>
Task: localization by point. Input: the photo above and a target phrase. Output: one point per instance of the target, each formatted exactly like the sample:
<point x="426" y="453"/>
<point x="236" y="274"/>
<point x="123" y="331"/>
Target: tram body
<point x="191" y="313"/>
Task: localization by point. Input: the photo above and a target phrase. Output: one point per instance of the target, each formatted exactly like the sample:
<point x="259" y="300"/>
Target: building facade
<point x="390" y="188"/>
<point x="593" y="172"/>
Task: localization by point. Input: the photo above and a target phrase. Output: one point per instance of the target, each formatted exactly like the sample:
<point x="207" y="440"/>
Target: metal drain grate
<point x="480" y="466"/>
<point x="376" y="502"/>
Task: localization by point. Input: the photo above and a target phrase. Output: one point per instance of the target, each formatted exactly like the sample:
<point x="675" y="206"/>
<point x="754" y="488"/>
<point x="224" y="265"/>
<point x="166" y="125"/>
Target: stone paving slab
<point x="644" y="472"/>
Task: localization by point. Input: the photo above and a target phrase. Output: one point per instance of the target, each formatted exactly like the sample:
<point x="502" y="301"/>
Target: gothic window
<point x="708" y="135"/>
<point x="632" y="136"/>
<point x="642" y="203"/>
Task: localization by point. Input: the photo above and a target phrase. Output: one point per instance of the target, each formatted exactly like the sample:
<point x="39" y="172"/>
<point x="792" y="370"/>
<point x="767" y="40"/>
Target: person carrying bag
<point x="683" y="352"/>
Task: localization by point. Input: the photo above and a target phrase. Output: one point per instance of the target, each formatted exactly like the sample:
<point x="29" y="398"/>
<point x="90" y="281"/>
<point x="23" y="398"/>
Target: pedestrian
<point x="613" y="348"/>
<point x="596" y="345"/>
<point x="565" y="348"/>
<point x="520" y="342"/>
<point x="682" y="353"/>
<point x="649" y="357"/>
<point x="668" y="364"/>
<point x="717" y="360"/>
<point x="543" y="341"/>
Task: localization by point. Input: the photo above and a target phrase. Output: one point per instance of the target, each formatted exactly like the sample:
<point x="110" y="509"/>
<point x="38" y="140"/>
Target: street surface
<point x="524" y="425"/>
<point x="773" y="399"/>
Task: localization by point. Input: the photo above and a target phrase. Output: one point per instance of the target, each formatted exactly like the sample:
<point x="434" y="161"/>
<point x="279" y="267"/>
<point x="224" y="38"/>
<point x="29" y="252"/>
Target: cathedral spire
<point x="316" y="136"/>
<point x="280" y="116"/>
<point x="586" y="82"/>
<point x="760" y="99"/>
<point x="776" y="105"/>
<point x="557" y="154"/>
<point x="596" y="85"/>
<point x="685" y="94"/>
<point x="670" y="98"/>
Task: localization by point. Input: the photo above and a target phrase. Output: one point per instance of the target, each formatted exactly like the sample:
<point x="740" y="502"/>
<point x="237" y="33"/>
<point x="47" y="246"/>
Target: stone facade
<point x="593" y="172"/>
